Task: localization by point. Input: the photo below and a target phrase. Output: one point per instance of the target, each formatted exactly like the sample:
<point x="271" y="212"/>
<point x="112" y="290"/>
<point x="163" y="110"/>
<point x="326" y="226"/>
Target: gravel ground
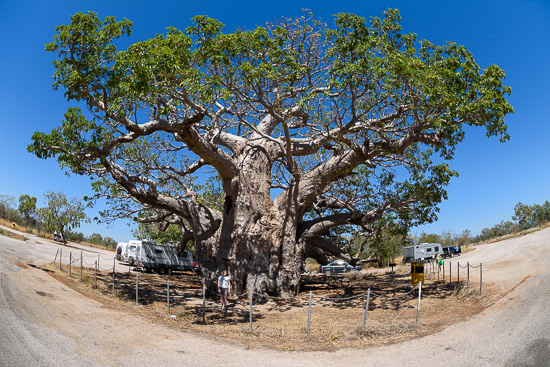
<point x="43" y="322"/>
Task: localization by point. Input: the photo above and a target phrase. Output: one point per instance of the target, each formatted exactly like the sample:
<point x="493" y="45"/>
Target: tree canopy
<point x="310" y="130"/>
<point x="27" y="207"/>
<point x="61" y="215"/>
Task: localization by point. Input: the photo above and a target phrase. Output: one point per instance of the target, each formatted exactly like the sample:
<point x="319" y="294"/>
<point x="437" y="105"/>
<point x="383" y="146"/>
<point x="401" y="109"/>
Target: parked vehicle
<point x="196" y="266"/>
<point x="121" y="250"/>
<point x="421" y="252"/>
<point x="131" y="252"/>
<point x="337" y="266"/>
<point x="57" y="236"/>
<point x="451" y="251"/>
<point x="162" y="259"/>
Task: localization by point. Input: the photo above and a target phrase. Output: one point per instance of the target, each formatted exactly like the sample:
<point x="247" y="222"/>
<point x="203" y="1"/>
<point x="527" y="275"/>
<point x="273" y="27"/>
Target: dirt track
<point x="44" y="322"/>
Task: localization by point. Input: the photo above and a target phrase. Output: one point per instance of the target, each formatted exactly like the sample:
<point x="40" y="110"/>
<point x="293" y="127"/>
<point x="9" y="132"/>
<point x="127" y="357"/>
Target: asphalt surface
<point x="44" y="323"/>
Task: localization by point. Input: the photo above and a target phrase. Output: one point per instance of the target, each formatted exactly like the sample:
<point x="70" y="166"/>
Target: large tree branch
<point x="311" y="228"/>
<point x="311" y="145"/>
<point x="319" y="246"/>
<point x="184" y="131"/>
<point x="185" y="206"/>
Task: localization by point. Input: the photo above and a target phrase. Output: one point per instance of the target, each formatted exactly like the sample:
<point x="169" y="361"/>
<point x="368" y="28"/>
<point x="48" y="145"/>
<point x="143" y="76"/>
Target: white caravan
<point x="162" y="259"/>
<point x="121" y="250"/>
<point x="131" y="252"/>
<point x="422" y="252"/>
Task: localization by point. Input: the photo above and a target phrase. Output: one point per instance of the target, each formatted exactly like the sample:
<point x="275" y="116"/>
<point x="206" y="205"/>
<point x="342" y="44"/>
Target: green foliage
<point x="27" y="207"/>
<point x="7" y="208"/>
<point x="525" y="217"/>
<point x="99" y="240"/>
<point x="446" y="238"/>
<point x="386" y="67"/>
<point x="60" y="214"/>
<point x="155" y="232"/>
<point x="384" y="245"/>
<point x="95" y="238"/>
<point x="429" y="238"/>
<point x="75" y="236"/>
<point x="387" y="106"/>
<point x="211" y="193"/>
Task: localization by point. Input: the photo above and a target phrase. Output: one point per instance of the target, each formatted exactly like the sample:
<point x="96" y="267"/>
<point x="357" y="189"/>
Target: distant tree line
<point x="525" y="217"/>
<point x="388" y="245"/>
<point x="60" y="215"/>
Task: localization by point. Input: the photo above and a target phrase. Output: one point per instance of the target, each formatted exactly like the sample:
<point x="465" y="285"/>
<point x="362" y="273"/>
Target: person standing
<point x="224" y="287"/>
<point x="438" y="261"/>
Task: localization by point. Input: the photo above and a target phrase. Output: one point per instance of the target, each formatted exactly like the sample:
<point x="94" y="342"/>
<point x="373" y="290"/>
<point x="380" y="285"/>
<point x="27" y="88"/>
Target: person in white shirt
<point x="224" y="287"/>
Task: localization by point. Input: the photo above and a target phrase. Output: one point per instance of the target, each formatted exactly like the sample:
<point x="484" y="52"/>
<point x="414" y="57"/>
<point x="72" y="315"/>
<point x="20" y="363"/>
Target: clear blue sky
<point x="493" y="176"/>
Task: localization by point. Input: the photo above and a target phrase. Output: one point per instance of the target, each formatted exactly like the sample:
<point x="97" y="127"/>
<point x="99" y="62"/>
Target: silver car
<point x="337" y="266"/>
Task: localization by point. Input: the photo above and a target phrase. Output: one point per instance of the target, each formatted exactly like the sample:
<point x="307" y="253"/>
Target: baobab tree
<point x="309" y="130"/>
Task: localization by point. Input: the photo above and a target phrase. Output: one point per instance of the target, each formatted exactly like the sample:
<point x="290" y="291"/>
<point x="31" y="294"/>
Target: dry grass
<point x="19" y="227"/>
<point x="12" y="235"/>
<point x="282" y="324"/>
<point x="312" y="267"/>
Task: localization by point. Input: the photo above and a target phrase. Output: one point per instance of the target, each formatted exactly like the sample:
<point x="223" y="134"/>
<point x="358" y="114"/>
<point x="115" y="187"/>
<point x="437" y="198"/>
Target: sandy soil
<point x="337" y="312"/>
<point x="47" y="321"/>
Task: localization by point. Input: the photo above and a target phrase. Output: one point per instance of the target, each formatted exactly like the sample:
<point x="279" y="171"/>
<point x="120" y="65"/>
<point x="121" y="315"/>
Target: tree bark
<point x="256" y="241"/>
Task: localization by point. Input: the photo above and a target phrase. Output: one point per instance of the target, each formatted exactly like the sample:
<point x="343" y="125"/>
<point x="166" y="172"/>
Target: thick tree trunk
<point x="256" y="241"/>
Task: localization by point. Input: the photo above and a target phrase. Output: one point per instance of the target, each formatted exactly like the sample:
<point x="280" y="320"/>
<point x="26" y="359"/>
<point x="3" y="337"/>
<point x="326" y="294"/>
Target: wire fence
<point x="108" y="265"/>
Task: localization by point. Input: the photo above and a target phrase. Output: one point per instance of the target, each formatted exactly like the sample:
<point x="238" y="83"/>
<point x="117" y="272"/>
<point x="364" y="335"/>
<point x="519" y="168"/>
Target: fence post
<point x="250" y="296"/>
<point x="480" y="278"/>
<point x="203" y="302"/>
<point x="468" y="275"/>
<point x="366" y="309"/>
<point x="309" y="314"/>
<point x="70" y="262"/>
<point x="443" y="271"/>
<point x="60" y="256"/>
<point x="113" y="277"/>
<point x="450" y="273"/>
<point x="95" y="275"/>
<point x="419" y="296"/>
<point x="168" y="294"/>
<point x="458" y="272"/>
<point x="55" y="259"/>
<point x="137" y="287"/>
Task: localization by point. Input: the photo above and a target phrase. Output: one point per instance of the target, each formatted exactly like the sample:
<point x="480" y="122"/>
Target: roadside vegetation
<point x="376" y="251"/>
<point x="60" y="215"/>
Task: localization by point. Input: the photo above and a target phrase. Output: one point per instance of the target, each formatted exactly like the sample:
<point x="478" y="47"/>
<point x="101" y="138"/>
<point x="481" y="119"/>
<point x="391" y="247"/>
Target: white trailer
<point x="421" y="252"/>
<point x="162" y="259"/>
<point x="131" y="252"/>
<point x="121" y="250"/>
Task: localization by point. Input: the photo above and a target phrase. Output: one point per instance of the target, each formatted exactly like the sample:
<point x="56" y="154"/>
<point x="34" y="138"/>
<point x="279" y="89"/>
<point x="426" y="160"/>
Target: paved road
<point x="44" y="323"/>
<point x="23" y="341"/>
<point x="44" y="250"/>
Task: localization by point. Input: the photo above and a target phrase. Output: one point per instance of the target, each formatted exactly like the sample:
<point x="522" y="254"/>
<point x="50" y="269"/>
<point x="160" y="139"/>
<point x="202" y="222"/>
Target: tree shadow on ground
<point x="388" y="291"/>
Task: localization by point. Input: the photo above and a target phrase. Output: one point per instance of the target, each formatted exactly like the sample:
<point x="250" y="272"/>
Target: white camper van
<point x="421" y="252"/>
<point x="121" y="250"/>
<point x="162" y="259"/>
<point x="131" y="252"/>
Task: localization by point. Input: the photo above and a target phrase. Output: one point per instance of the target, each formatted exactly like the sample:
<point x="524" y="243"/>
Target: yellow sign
<point x="417" y="273"/>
